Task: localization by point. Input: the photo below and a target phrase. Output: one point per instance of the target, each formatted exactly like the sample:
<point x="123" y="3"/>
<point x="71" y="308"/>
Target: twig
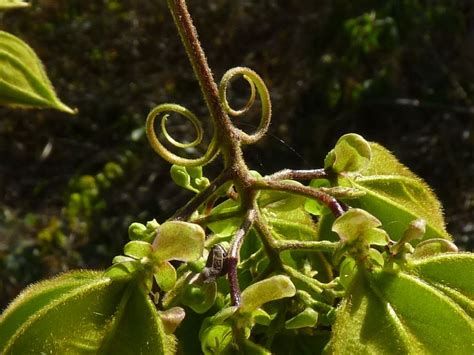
<point x="233" y="255"/>
<point x="298" y="174"/>
<point x="312" y="245"/>
<point x="334" y="205"/>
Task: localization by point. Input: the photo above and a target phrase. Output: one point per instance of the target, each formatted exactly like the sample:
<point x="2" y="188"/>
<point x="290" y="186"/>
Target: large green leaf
<point x="12" y="4"/>
<point x="452" y="273"/>
<point x="83" y="312"/>
<point x="396" y="196"/>
<point x="410" y="311"/>
<point x="23" y="80"/>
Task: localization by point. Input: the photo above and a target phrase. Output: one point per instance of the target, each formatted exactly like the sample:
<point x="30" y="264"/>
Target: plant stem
<point x="334" y="205"/>
<point x="233" y="255"/>
<point x="312" y="245"/>
<point x="228" y="141"/>
<point x="298" y="174"/>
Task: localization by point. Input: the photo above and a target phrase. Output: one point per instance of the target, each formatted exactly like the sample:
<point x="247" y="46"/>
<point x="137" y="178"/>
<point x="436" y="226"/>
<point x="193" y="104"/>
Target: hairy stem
<point x="298" y="174"/>
<point x="334" y="205"/>
<point x="228" y="141"/>
<point x="312" y="245"/>
<point x="233" y="255"/>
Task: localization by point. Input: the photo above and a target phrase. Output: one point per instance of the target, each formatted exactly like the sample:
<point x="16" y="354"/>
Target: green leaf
<point x="394" y="313"/>
<point x="261" y="317"/>
<point x="223" y="315"/>
<point x="165" y="276"/>
<point x="137" y="249"/>
<point x="264" y="291"/>
<point x="434" y="246"/>
<point x="296" y="224"/>
<point x="178" y="240"/>
<point x="229" y="226"/>
<point x="23" y="81"/>
<point x="279" y="200"/>
<point x="216" y="339"/>
<point x="12" y="4"/>
<point x="352" y="153"/>
<point x="83" y="312"/>
<point x="199" y="298"/>
<point x="249" y="347"/>
<point x="313" y="206"/>
<point x="123" y="268"/>
<point x="396" y="196"/>
<point x="307" y="318"/>
<point x="194" y="171"/>
<point x="347" y="271"/>
<point x="452" y="273"/>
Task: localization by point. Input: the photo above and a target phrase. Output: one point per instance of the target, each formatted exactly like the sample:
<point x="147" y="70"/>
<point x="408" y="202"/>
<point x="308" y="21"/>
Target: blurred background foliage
<point x="398" y="72"/>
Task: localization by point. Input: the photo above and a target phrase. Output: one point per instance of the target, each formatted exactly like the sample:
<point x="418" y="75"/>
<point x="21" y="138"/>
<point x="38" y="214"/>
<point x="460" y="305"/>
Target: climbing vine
<point x="353" y="257"/>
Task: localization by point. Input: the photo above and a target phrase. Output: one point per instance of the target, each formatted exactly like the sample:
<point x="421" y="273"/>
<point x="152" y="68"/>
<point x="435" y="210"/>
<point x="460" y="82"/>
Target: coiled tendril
<point x="256" y="84"/>
<point x="211" y="152"/>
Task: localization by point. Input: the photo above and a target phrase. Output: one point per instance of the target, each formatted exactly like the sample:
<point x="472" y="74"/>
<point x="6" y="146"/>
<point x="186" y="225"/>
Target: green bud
<point x="137" y="231"/>
<point x="352" y="153"/>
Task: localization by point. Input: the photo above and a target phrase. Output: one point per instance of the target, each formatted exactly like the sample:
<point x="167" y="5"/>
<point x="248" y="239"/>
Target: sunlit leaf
<point x="12" y="4"/>
<point x="279" y="200"/>
<point x="83" y="312"/>
<point x="313" y="206"/>
<point x="137" y="249"/>
<point x="123" y="268"/>
<point x="434" y="246"/>
<point x="307" y="318"/>
<point x="396" y="196"/>
<point x="178" y="240"/>
<point x="408" y="312"/>
<point x="358" y="224"/>
<point x="223" y="315"/>
<point x="267" y="290"/>
<point x="261" y="317"/>
<point x="452" y="273"/>
<point x="295" y="224"/>
<point x="229" y="226"/>
<point x="23" y="81"/>
<point x="165" y="276"/>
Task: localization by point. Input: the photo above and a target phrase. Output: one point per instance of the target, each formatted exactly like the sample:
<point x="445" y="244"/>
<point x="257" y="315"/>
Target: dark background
<point x="399" y="72"/>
